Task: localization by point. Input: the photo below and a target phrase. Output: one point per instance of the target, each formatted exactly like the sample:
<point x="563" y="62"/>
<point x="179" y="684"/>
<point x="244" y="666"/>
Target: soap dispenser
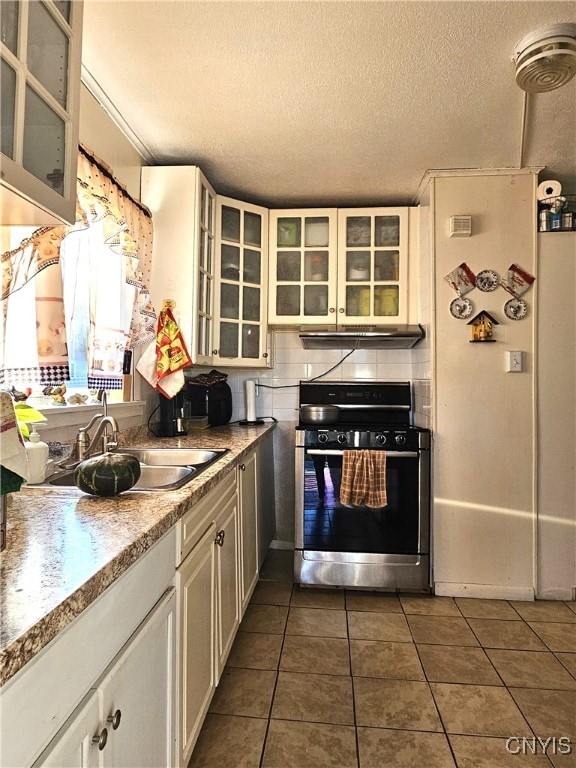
<point x="37" y="455"/>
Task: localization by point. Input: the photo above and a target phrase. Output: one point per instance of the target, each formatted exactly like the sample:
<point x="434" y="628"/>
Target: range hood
<point x="361" y="337"/>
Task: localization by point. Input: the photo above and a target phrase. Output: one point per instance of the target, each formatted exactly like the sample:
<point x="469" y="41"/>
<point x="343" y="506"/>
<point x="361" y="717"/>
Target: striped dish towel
<point x="12" y="451"/>
<point x="363" y="479"/>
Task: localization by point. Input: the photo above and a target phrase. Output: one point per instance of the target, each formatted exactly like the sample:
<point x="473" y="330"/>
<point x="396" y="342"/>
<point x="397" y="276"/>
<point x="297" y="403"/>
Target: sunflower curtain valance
<point x="76" y="297"/>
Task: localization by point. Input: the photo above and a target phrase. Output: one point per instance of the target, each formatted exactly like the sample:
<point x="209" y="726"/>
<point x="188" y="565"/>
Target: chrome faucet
<point x="84" y="447"/>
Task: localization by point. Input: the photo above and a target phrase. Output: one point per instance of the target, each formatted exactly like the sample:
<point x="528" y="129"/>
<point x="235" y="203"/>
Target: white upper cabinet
<point x="373" y="265"/>
<point x="339" y="266"/>
<point x="234" y="268"/>
<point x="183" y="206"/>
<point x="303" y="266"/>
<point x="241" y="286"/>
<point x="40" y="46"/>
<point x="210" y="256"/>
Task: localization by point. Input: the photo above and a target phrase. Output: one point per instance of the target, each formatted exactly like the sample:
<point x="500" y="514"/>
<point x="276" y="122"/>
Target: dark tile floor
<point x="354" y="679"/>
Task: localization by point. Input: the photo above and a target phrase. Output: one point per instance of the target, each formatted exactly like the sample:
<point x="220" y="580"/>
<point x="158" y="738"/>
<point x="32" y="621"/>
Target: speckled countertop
<point x="64" y="548"/>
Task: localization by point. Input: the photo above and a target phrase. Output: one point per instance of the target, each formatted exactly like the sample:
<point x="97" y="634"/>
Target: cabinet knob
<point x="332" y="310"/>
<point x="265" y="354"/>
<point x="242" y="467"/>
<point x="220" y="538"/>
<point x="214" y="351"/>
<point x="101" y="739"/>
<point x="341" y="309"/>
<point x="114" y="719"/>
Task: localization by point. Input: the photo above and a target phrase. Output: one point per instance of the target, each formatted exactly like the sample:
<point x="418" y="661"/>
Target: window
<point x="75" y="299"/>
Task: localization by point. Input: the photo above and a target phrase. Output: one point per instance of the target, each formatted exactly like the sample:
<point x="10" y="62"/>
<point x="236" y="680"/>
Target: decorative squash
<point x="108" y="474"/>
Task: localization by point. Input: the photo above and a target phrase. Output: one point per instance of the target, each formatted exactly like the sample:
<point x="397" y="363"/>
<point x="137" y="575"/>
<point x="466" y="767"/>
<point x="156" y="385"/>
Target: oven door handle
<point x="373" y="406"/>
<point x="335" y="452"/>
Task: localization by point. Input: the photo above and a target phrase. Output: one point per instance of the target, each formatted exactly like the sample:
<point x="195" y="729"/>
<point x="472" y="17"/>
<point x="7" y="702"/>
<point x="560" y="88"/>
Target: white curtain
<point x="78" y="295"/>
<point x="33" y="331"/>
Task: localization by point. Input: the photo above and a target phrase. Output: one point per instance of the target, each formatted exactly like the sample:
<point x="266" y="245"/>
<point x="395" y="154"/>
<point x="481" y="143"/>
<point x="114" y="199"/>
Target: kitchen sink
<point x="161" y="469"/>
<point x="156" y="478"/>
<point x="175" y="457"/>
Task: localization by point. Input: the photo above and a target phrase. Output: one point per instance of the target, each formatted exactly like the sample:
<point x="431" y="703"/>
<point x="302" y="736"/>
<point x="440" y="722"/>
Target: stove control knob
<point x="381" y="439"/>
<point x="342" y="438"/>
<point x="401" y="439"/>
<point x="323" y="437"/>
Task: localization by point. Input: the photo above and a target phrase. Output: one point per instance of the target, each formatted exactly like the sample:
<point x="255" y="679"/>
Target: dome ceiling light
<point x="546" y="59"/>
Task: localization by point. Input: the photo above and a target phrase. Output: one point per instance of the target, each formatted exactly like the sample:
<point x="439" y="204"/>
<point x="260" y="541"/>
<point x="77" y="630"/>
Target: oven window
<point x="333" y="527"/>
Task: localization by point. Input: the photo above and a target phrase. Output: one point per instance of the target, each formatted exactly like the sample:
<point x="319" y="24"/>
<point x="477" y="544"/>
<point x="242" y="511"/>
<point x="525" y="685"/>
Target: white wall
<point x="484" y="428"/>
<point x="100" y="134"/>
<point x="556" y="370"/>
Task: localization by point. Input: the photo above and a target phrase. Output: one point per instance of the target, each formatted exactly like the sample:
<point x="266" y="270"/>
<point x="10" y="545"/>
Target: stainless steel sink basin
<point x="162" y="469"/>
<point x="155" y="478"/>
<point x="175" y="457"/>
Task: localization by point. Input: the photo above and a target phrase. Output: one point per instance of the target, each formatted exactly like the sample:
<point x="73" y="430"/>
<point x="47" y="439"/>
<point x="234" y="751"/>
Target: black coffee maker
<point x="172" y="415"/>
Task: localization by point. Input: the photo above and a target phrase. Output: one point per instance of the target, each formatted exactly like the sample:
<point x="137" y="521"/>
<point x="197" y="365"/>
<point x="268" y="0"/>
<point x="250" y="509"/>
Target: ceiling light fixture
<point x="546" y="59"/>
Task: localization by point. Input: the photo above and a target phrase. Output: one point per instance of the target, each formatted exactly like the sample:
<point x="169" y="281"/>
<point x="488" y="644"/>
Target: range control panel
<point x="411" y="439"/>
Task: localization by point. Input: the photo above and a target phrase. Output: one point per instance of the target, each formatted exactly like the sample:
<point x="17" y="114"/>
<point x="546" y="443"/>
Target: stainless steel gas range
<point x="362" y="489"/>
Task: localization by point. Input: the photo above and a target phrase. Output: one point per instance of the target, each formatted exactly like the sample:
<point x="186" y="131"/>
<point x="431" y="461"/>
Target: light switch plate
<point x="513" y="361"/>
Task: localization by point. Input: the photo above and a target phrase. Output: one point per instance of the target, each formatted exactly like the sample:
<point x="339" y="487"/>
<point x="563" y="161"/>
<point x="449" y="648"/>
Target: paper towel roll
<point x="550" y="188"/>
<point x="250" y="386"/>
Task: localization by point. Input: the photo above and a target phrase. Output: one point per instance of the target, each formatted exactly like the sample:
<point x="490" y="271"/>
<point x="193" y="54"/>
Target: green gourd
<point x="108" y="474"/>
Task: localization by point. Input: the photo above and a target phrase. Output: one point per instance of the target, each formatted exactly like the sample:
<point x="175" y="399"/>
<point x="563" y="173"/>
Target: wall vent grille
<point x="460" y="226"/>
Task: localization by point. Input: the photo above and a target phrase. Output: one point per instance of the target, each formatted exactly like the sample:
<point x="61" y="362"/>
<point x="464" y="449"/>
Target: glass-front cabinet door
<point x="372" y="266"/>
<point x="303" y="260"/>
<point x="205" y="316"/>
<point x="241" y="336"/>
<point x="40" y="47"/>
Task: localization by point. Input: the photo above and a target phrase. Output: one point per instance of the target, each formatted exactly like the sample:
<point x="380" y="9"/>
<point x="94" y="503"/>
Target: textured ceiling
<point x="329" y="103"/>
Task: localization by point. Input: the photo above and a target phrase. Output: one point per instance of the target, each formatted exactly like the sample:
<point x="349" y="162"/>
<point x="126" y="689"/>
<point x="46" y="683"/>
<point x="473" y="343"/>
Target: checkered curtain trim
<point x="104" y="382"/>
<point x="45" y="375"/>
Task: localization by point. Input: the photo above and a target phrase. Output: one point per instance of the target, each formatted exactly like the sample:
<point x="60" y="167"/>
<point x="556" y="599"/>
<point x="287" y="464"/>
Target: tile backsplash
<point x="277" y="393"/>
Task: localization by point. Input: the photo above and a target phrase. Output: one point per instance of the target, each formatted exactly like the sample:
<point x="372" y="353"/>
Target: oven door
<point x="356" y="546"/>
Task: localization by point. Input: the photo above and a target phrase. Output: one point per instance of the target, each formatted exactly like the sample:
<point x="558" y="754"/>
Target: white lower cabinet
<point x="73" y="746"/>
<point x="119" y="654"/>
<point x="195" y="582"/>
<point x="227" y="580"/>
<point x="137" y="694"/>
<point x="127" y="719"/>
<point x="218" y="548"/>
<point x="248" y="492"/>
<point x="207" y="582"/>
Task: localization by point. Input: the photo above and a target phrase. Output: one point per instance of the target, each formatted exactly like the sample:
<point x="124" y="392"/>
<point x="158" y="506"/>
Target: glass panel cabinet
<point x="303" y="263"/>
<point x="211" y="258"/>
<point x="204" y="310"/>
<point x="241" y="284"/>
<point x="373" y="265"/>
<point x="40" y="46"/>
<point x="338" y="266"/>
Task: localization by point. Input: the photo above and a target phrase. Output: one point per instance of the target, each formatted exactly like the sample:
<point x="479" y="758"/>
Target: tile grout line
<point x="352" y="682"/>
<point x="263" y="751"/>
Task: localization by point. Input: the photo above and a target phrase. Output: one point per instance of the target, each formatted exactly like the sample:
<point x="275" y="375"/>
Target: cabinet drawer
<point x="192" y="526"/>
